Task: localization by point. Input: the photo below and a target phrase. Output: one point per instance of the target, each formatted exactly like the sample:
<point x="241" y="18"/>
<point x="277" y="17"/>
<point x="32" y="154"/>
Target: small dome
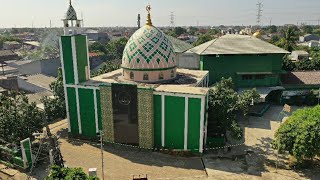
<point x="257" y="34"/>
<point x="71" y="13"/>
<point x="149" y="56"/>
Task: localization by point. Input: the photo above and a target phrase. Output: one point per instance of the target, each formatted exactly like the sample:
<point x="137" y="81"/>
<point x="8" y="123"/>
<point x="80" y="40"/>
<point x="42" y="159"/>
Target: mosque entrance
<point x="125" y="114"/>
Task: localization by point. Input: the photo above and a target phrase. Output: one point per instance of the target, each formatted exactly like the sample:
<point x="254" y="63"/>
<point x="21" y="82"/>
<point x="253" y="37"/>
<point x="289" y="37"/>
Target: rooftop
<point x="4" y="53"/>
<point x="178" y="45"/>
<point x="301" y="78"/>
<point x="237" y="44"/>
<point x="186" y="81"/>
<point x="41" y="80"/>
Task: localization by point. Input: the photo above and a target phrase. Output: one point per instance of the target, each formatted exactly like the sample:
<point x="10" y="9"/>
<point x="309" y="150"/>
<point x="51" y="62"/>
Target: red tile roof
<point x="301" y="78"/>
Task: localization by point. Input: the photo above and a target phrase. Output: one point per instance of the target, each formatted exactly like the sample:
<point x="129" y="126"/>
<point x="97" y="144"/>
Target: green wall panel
<point x="73" y="116"/>
<point x="67" y="59"/>
<point x="174" y="122"/>
<point x="82" y="56"/>
<point x="87" y="112"/>
<point x="99" y="110"/>
<point x="194" y="123"/>
<point x="157" y="120"/>
<point x="228" y="66"/>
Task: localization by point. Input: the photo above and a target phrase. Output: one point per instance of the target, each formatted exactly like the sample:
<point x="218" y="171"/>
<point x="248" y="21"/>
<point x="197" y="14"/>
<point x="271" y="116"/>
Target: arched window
<point x="131" y="75"/>
<point x="161" y="76"/>
<point x="145" y="77"/>
<point x="172" y="74"/>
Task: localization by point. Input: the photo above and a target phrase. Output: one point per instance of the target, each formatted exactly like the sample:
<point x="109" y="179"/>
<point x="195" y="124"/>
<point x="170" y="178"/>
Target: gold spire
<point x="149" y="22"/>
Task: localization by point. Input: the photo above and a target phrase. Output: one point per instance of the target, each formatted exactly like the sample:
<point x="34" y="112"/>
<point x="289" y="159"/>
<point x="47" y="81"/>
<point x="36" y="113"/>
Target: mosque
<point x="148" y="102"/>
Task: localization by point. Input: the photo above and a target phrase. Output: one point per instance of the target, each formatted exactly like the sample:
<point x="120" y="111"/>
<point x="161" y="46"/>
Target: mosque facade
<point x="148" y="102"/>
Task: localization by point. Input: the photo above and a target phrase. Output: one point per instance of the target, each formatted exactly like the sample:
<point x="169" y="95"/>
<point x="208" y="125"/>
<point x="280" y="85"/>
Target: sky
<point x="110" y="13"/>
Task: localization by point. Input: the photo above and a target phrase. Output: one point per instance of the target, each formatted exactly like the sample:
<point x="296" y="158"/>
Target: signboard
<point x="26" y="153"/>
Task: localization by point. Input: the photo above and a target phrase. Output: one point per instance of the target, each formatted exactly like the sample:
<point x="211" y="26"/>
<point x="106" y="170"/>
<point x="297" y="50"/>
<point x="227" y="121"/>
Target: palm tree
<point x="290" y="36"/>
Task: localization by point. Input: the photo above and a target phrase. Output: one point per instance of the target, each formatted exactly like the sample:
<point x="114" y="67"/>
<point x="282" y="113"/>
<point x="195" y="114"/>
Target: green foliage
<point x="57" y="173"/>
<point x="179" y="30"/>
<point x="290" y="36"/>
<point x="193" y="30"/>
<point x="7" y="38"/>
<point x="300" y="134"/>
<point x="203" y="39"/>
<point x="108" y="67"/>
<point x="304" y="65"/>
<point x="273" y="29"/>
<point x="113" y="50"/>
<point x="55" y="107"/>
<point x="18" y="118"/>
<point x="224" y="105"/>
<point x="307" y="29"/>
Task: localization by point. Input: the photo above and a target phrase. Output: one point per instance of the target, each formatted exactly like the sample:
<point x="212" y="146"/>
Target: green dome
<point x="148" y="48"/>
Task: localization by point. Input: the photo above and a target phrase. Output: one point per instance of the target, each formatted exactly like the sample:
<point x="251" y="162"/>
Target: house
<point x="249" y="61"/>
<point x="11" y="45"/>
<point x="314" y="44"/>
<point x="94" y="35"/>
<point x="47" y="67"/>
<point x="299" y="55"/>
<point x="6" y="55"/>
<point x="309" y="37"/>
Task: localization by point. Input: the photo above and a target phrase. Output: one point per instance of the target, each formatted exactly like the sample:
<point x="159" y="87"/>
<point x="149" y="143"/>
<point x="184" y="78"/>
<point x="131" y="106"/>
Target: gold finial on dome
<point x="149" y="22"/>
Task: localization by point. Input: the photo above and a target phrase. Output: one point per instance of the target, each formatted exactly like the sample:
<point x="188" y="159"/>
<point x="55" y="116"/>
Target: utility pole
<point x="172" y="24"/>
<point x="101" y="148"/>
<point x="259" y="13"/>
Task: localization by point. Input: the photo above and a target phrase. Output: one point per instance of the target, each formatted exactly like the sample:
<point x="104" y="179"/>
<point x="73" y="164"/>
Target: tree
<point x="307" y="29"/>
<point x="273" y="29"/>
<point x="300" y="134"/>
<point x="224" y="105"/>
<point x="108" y="67"/>
<point x="179" y="30"/>
<point x="55" y="107"/>
<point x="18" y="118"/>
<point x="193" y="30"/>
<point x="290" y="36"/>
<point x="202" y="39"/>
<point x="57" y="172"/>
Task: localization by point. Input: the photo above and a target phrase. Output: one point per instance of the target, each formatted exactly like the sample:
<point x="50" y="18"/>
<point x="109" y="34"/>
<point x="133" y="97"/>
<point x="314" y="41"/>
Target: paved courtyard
<point x="253" y="160"/>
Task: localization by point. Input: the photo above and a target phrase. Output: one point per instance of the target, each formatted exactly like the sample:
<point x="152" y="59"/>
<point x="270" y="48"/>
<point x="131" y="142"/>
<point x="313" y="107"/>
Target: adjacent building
<point x="249" y="61"/>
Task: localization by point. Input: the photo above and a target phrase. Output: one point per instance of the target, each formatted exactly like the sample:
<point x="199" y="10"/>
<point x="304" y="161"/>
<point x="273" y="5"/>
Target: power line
<point x="259" y="12"/>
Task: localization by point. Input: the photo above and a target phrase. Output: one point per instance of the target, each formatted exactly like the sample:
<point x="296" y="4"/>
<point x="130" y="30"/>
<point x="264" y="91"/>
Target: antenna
<point x="139" y="24"/>
<point x="82" y="19"/>
<point x="259" y="13"/>
<point x="172" y="19"/>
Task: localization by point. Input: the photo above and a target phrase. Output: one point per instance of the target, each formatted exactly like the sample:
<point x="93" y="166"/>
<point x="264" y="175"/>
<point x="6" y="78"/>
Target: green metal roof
<point x="237" y="44"/>
<point x="178" y="45"/>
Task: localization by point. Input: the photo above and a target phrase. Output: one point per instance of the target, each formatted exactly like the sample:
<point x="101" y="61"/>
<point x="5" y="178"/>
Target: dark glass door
<point x="125" y="114"/>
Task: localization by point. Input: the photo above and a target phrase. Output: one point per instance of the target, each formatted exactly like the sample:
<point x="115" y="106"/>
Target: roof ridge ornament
<point x="149" y="22"/>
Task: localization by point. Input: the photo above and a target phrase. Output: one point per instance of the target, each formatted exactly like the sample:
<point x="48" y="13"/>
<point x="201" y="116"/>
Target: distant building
<point x="94" y="35"/>
<point x="309" y="37"/>
<point x="11" y="45"/>
<point x="6" y="55"/>
<point x="299" y="55"/>
<point x="314" y="44"/>
<point x="31" y="45"/>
